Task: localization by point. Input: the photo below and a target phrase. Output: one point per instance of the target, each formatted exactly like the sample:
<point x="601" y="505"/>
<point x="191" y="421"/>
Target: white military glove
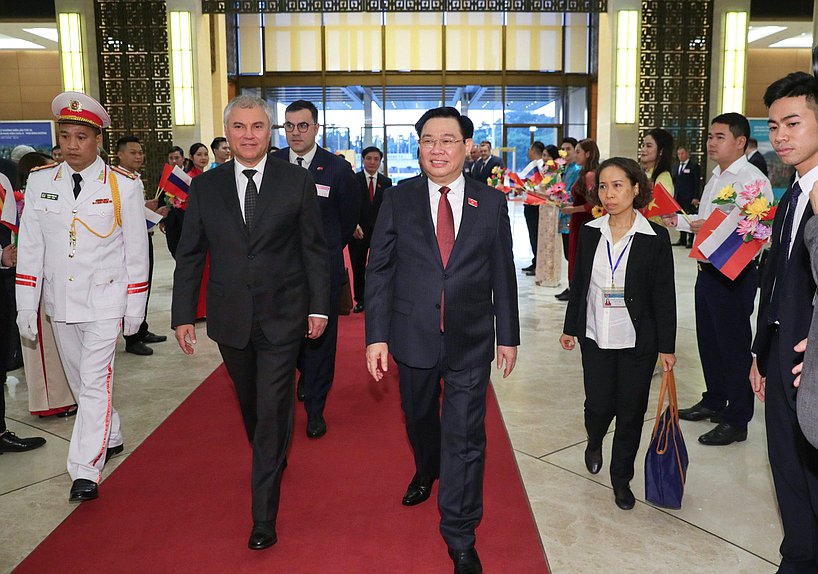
<point x="27" y="323"/>
<point x="130" y="325"/>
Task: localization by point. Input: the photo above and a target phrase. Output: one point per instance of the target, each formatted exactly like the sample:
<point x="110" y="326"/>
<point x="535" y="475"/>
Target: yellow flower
<point x="757" y="208"/>
<point x="550" y="163"/>
<point x="597" y="211"/>
<point x="563" y="153"/>
<point x="727" y="193"/>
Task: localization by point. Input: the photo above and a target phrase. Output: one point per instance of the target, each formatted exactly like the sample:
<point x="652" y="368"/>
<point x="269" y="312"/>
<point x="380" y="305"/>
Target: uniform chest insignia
<point x="101" y="177"/>
<point x="124" y="172"/>
<point x="51" y="196"/>
<point x="101" y="200"/>
<point x="58" y="175"/>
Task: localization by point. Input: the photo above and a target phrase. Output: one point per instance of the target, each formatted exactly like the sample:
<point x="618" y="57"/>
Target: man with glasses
<point x="340" y="205"/>
<point x="440" y="276"/>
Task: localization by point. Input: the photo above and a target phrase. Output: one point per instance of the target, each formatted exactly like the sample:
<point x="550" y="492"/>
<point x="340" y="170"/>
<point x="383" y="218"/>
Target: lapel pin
<point x="319" y="168"/>
<point x="472" y="202"/>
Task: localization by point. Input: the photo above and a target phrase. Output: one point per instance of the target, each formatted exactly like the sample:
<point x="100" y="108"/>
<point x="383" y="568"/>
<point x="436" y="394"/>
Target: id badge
<point x="613" y="297"/>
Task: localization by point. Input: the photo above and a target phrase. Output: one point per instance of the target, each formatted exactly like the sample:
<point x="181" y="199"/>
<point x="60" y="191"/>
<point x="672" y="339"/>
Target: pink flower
<point x="753" y="189"/>
<point x="762" y="232"/>
<point x="560" y="161"/>
<point x="746" y="226"/>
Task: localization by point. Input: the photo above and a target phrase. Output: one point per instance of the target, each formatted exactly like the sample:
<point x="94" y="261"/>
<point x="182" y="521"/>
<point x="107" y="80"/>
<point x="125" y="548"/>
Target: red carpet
<point x="181" y="502"/>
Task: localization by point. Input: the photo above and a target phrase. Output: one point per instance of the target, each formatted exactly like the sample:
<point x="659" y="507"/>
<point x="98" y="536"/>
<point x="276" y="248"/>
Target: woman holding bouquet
<point x="587" y="157"/>
<point x="623" y="311"/>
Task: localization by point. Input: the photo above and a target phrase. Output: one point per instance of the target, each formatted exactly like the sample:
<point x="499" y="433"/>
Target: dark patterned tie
<point x="783" y="251"/>
<point x="445" y="235"/>
<point x="77" y="187"/>
<point x="250" y="197"/>
<point x="300" y="161"/>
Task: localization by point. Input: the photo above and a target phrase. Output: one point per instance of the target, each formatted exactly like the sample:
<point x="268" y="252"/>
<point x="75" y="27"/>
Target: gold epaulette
<point x="123" y="171"/>
<point x="41" y="167"/>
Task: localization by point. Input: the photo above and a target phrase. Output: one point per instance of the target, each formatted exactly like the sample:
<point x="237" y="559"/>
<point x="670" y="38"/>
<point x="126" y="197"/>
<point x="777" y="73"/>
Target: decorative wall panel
<point x="291" y="6"/>
<point x="134" y="77"/>
<point x="675" y="70"/>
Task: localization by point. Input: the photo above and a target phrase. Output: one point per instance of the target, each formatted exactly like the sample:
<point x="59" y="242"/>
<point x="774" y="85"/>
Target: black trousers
<point x="617" y="384"/>
<point x="358" y="250"/>
<point x="143" y="328"/>
<point x="565" y="248"/>
<point x="724" y="337"/>
<point x="263" y="375"/>
<point x="450" y="443"/>
<point x="794" y="464"/>
<point x="316" y="361"/>
<point x="532" y="221"/>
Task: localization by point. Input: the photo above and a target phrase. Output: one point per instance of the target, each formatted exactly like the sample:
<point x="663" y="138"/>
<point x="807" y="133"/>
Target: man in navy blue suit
<point x="784" y="315"/>
<point x="338" y="197"/>
<point x="440" y="278"/>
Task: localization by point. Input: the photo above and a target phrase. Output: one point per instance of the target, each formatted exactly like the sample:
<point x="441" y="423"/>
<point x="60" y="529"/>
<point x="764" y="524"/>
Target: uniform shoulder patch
<point x="123" y="171"/>
<point x="42" y="167"/>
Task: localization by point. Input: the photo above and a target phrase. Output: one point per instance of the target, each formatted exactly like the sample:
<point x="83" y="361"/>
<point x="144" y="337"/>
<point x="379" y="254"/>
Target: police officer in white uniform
<point x="83" y="242"/>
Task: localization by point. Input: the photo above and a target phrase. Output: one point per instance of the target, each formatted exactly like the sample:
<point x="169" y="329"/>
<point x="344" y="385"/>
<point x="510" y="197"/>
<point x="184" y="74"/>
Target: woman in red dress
<point x="587" y="156"/>
<point x="200" y="159"/>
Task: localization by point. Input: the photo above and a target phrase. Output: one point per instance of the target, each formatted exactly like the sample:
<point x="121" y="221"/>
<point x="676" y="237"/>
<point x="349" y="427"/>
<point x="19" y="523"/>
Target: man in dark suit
<point x="440" y="275"/>
<point x="339" y="200"/>
<point x="372" y="184"/>
<point x="481" y="170"/>
<point x="787" y="290"/>
<point x="754" y="156"/>
<point x="269" y="286"/>
<point x="687" y="186"/>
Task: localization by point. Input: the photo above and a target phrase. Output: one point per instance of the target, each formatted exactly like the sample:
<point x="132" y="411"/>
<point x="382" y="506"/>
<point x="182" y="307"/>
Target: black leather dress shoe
<point x="359" y="308"/>
<point x="299" y="390"/>
<point x="722" y="435"/>
<point x="623" y="497"/>
<point x="466" y="561"/>
<point x="564" y="296"/>
<point x="530" y="273"/>
<point x="138" y="348"/>
<point x="529" y="268"/>
<point x="69" y="412"/>
<point x="112" y="451"/>
<point x="261" y="537"/>
<point x="593" y="460"/>
<point x="10" y="442"/>
<point x="316" y="426"/>
<point x="83" y="490"/>
<point x="151" y="338"/>
<point x="418" y="490"/>
<point x="697" y="412"/>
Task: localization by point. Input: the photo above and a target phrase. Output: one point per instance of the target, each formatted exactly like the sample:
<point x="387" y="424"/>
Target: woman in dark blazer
<point x="623" y="311"/>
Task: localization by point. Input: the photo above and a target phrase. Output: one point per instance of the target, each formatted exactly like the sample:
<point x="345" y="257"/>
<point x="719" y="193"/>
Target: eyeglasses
<point x="302" y="126"/>
<point x="445" y="143"/>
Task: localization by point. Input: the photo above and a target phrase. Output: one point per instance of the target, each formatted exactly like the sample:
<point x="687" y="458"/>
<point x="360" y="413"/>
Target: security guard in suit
<point x="83" y="243"/>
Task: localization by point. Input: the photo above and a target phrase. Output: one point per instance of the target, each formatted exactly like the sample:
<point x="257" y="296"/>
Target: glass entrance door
<point x="401" y="153"/>
<point x="520" y="137"/>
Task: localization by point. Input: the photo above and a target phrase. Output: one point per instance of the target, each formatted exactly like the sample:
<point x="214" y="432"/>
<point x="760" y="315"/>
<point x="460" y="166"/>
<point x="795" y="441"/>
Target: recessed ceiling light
<point x="7" y="43"/>
<point x="801" y="41"/>
<point x="758" y="32"/>
<point x="47" y="33"/>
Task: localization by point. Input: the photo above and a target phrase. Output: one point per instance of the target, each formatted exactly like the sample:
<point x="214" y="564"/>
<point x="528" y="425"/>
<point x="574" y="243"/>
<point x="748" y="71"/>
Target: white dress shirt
<point x="806" y="182"/>
<point x="457" y="190"/>
<point x="611" y="327"/>
<point x="307" y="157"/>
<point x="740" y="173"/>
<point x="241" y="179"/>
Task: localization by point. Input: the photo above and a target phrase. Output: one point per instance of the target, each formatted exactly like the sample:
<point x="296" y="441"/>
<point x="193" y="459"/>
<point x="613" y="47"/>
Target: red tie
<point x="371" y="189"/>
<point x="445" y="235"/>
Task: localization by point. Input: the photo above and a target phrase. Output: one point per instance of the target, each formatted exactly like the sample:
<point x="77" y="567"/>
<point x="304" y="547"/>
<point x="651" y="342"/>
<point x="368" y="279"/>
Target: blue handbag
<point x="666" y="459"/>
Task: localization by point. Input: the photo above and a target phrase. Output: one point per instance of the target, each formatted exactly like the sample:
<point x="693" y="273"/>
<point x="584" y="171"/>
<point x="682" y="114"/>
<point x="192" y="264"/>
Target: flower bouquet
<point x="499" y="179"/>
<point x="551" y="189"/>
<point x="757" y="213"/>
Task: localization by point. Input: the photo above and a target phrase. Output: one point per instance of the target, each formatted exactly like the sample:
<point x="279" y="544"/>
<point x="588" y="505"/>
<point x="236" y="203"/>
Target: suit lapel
<point x="468" y="216"/>
<point x="265" y="194"/>
<point x="89" y="187"/>
<point x="230" y="195"/>
<point x="425" y="216"/>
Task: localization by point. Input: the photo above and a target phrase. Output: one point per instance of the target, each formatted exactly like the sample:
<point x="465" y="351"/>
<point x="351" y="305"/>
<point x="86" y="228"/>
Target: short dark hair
<point x="553" y="151"/>
<point x="370" y="149"/>
<point x="752" y="142"/>
<point x="738" y="124"/>
<point x="792" y="86"/>
<point x="214" y="145"/>
<point x="175" y="149"/>
<point x="635" y="174"/>
<point x="125" y="140"/>
<point x="570" y="140"/>
<point x="485" y="142"/>
<point x="539" y="146"/>
<point x="299" y="105"/>
<point x="466" y="125"/>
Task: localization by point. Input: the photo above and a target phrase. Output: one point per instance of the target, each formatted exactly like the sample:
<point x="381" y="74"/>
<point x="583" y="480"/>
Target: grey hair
<point x="248" y="101"/>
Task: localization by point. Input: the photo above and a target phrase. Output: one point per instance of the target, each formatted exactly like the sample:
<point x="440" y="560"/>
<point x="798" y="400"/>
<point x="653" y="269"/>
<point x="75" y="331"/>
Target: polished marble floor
<point x="728" y="524"/>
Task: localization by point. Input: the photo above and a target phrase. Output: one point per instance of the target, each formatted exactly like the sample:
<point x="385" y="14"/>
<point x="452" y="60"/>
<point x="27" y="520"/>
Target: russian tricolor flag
<point x="152" y="218"/>
<point x="175" y="182"/>
<point x="724" y="248"/>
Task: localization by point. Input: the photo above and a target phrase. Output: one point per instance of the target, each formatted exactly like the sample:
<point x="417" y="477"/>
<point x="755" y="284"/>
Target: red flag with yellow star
<point x="662" y="203"/>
